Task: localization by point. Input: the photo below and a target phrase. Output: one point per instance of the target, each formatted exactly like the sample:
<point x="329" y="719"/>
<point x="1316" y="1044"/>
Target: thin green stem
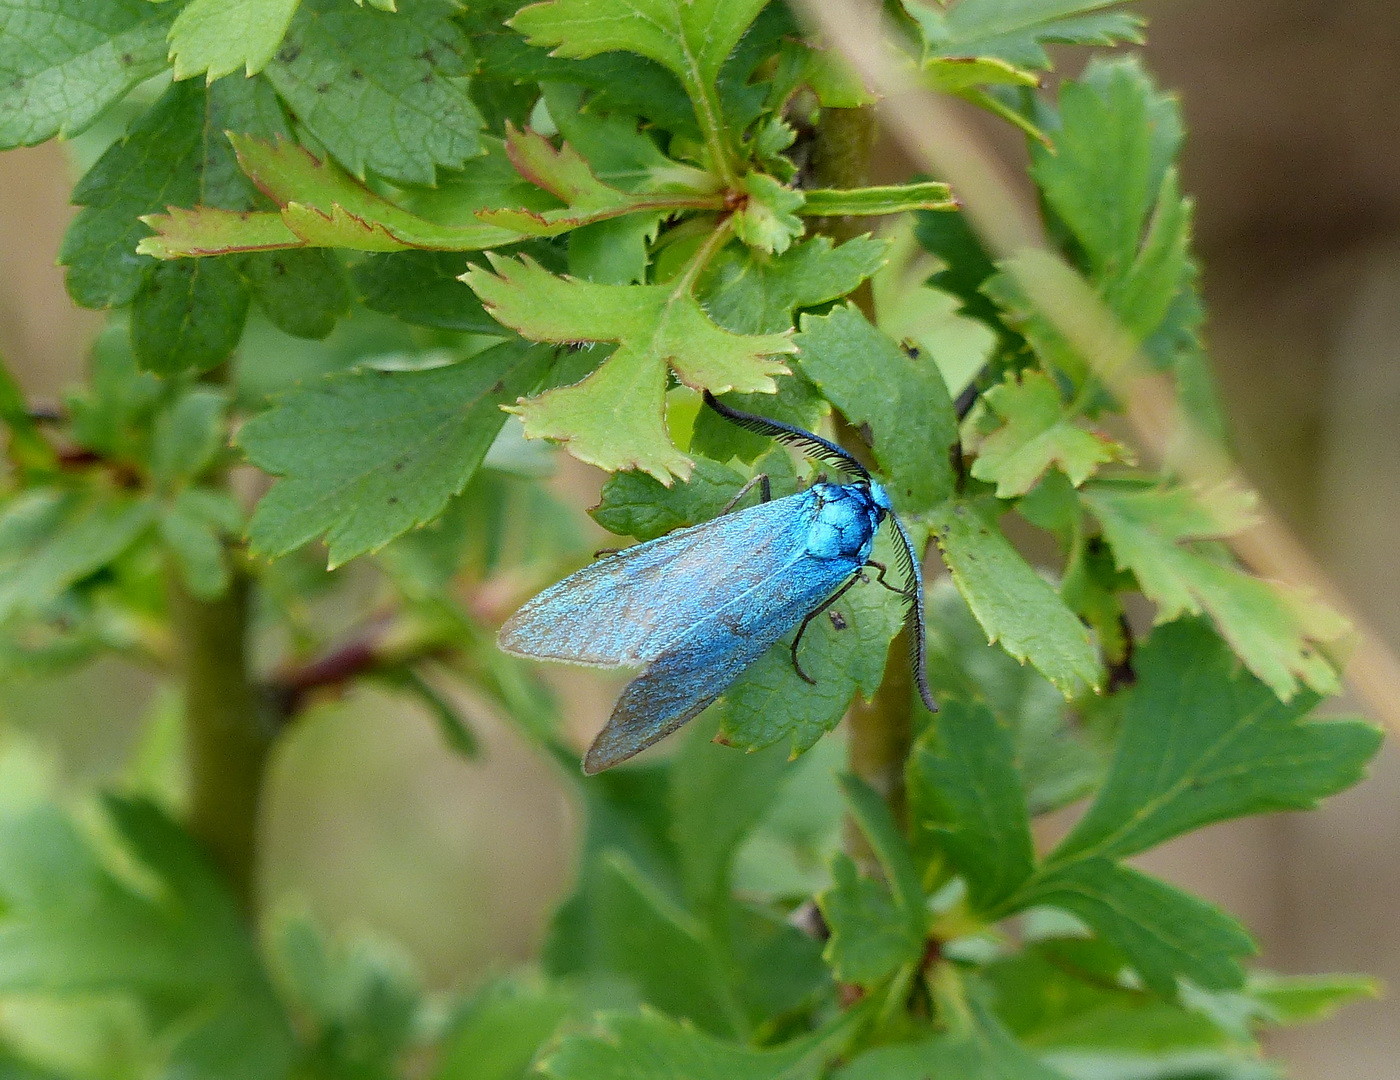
<point x="228" y="725"/>
<point x="711" y="119"/>
<point x="685" y="283"/>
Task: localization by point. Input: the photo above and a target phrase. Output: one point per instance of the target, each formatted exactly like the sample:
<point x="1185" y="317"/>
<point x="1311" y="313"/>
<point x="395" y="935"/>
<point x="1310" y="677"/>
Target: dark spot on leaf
<point x="427" y="79"/>
<point x="500" y="385"/>
<point x="398" y="466"/>
<point x="838" y="621"/>
<point x="321" y="88"/>
<point x="17" y="84"/>
<point x="356" y="73"/>
<point x="288" y="53"/>
<point x="128" y="59"/>
<point x="426" y="54"/>
<point x="279" y="267"/>
<point x="393" y="500"/>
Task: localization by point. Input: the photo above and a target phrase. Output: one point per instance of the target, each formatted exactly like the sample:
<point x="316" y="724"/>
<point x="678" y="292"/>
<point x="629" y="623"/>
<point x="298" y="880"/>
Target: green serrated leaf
<point x="635" y="504"/>
<point x="1163" y="534"/>
<point x="368" y="455"/>
<point x="1299" y="999"/>
<point x="899" y="399"/>
<point x="750" y="294"/>
<point x="1202" y="741"/>
<point x="1017" y="31"/>
<point x="188" y="316"/>
<point x="496" y="1034"/>
<point x="302" y="293"/>
<point x="648" y="1046"/>
<point x="384" y="93"/>
<point x="615" y="417"/>
<point x="966" y="788"/>
<point x="768" y="220"/>
<point x="1166" y="934"/>
<point x="216" y="37"/>
<point x="424" y="288"/>
<point x="877" y="201"/>
<point x="195" y="539"/>
<point x="64" y="61"/>
<point x="870" y="937"/>
<point x="1037" y="434"/>
<point x="1014" y="605"/>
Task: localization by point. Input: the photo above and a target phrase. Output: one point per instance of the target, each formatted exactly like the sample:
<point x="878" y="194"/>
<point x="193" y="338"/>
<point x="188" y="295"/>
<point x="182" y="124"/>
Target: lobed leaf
<point x="216" y="37"/>
<point x="367" y="455"/>
<point x="1014" y="605"/>
<point x="1037" y="434"/>
<point x="382" y="92"/>
<point x="639" y="505"/>
<point x="870" y="939"/>
<point x="615" y="417"/>
<point x="1161" y="534"/>
<point x="1017" y="31"/>
<point x="901" y="400"/>
<point x="62" y="62"/>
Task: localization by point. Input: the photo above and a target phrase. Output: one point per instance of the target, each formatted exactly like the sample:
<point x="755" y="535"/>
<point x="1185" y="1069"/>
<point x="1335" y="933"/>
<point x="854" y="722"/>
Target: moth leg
<point x="880" y="577"/>
<point x="797" y="639"/>
<point x="765" y="492"/>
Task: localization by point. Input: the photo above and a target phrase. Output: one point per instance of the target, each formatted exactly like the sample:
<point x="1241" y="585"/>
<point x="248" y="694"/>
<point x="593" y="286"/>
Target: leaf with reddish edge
<point x="207" y="230"/>
<point x="567" y="175"/>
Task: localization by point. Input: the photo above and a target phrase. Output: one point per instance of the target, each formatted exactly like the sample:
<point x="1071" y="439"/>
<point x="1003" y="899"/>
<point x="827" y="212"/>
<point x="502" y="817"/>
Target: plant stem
<point x="228" y="727"/>
<point x="881" y="730"/>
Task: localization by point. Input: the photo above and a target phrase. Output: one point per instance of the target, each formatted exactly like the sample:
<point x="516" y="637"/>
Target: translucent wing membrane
<point x="628" y="608"/>
<point x="914" y="612"/>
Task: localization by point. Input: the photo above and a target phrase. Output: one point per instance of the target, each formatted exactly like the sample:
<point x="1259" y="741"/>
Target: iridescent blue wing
<point x="628" y="608"/>
<point x="704" y="662"/>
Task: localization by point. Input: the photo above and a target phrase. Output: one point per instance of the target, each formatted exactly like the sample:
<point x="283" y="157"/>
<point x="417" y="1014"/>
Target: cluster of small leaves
<point x="346" y="242"/>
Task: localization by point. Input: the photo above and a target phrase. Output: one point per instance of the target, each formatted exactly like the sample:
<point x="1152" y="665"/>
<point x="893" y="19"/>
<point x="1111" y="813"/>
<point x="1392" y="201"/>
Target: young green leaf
<point x="1202" y="741"/>
<point x="383" y="92"/>
<point x="189" y="432"/>
<point x="194" y="527"/>
<point x="1037" y="434"/>
<point x="63" y="61"/>
<point x="1161" y="534"/>
<point x="648" y="1046"/>
<point x="1166" y="934"/>
<point x="216" y="37"/>
<point x="1013" y="603"/>
<point x="870" y="937"/>
<point x="615" y="418"/>
<point x="368" y="455"/>
<point x="900" y="399"/>
<point x="966" y="788"/>
<point x="752" y="295"/>
<point x="768" y="219"/>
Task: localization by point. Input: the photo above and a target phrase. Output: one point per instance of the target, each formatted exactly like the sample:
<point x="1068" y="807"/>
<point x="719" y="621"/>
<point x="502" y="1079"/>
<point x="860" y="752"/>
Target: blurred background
<point x="1293" y="155"/>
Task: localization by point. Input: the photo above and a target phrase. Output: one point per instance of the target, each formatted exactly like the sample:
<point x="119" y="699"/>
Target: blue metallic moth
<point x="701" y="604"/>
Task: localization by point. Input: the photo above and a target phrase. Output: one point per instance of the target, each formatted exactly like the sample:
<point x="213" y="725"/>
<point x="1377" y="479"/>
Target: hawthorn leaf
<point x="615" y="417"/>
<point x="750" y="294"/>
<point x="188" y="316"/>
<point x="1037" y="434"/>
<point x="187" y="435"/>
<point x="1202" y="741"/>
<point x="62" y="62"/>
<point x="877" y="201"/>
<point x="321" y="205"/>
<point x="901" y="400"/>
<point x="1014" y="605"/>
<point x="1297" y="999"/>
<point x="1166" y="934"/>
<point x="966" y="788"/>
<point x="691" y="38"/>
<point x="424" y="288"/>
<point x="497" y="1032"/>
<point x="367" y="455"/>
<point x="302" y="293"/>
<point x="870" y="937"/>
<point x="1017" y="31"/>
<point x="768" y="220"/>
<point x="636" y="504"/>
<point x="216" y="37"/>
<point x="1162" y="535"/>
<point x="382" y="92"/>
<point x="649" y="1046"/>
